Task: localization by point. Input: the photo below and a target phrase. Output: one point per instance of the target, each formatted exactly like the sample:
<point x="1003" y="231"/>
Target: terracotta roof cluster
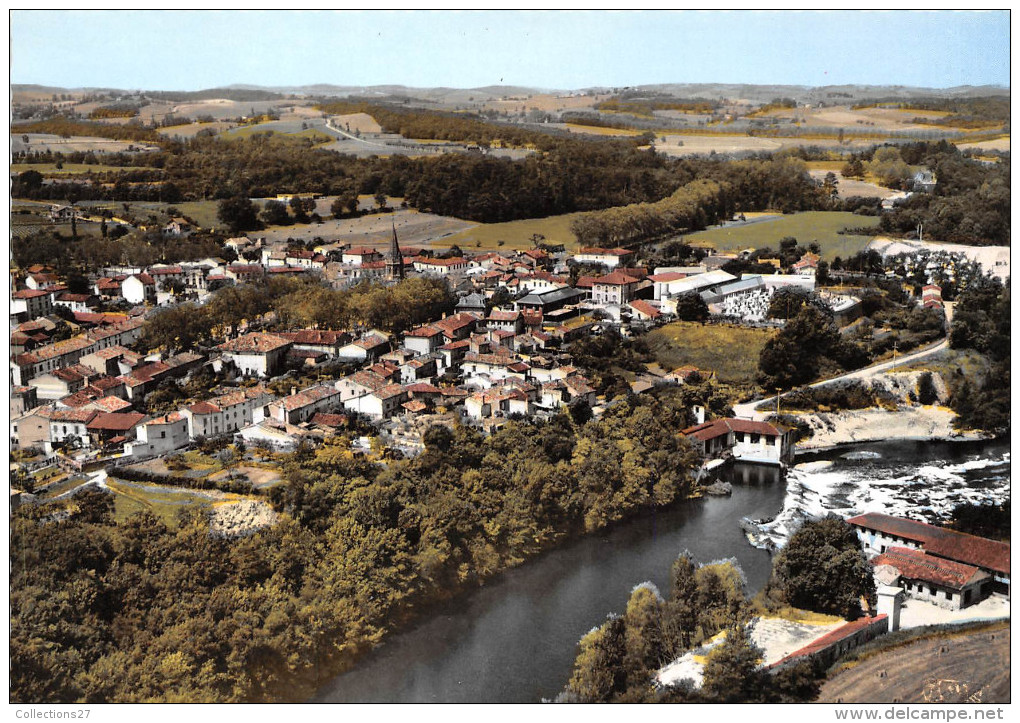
<point x="454" y="323"/>
<point x="940" y="541"/>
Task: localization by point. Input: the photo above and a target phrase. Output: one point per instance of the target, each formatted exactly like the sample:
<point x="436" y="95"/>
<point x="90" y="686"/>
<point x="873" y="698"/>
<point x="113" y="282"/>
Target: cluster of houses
<point x="484" y="364"/>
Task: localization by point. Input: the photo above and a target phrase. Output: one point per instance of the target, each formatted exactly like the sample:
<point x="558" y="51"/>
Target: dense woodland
<point x="982" y="322"/>
<point x="140" y="611"/>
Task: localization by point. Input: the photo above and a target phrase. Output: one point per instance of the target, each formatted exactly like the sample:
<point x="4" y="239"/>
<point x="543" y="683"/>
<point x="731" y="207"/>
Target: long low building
<point x="881" y="533"/>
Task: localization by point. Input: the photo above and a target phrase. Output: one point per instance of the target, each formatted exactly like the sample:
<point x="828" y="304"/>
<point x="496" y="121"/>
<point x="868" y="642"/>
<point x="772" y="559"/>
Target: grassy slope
<point x="515" y="234"/>
<point x="731" y="351"/>
<point x="820" y="226"/>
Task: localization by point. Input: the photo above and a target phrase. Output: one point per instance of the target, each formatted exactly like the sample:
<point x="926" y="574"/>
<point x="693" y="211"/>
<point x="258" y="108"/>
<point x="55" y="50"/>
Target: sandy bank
<point x="873" y="425"/>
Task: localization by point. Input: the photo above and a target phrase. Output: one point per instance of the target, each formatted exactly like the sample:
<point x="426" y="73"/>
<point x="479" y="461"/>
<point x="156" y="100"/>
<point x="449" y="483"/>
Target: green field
<point x="203" y="212"/>
<point x="165" y="503"/>
<point x="820" y="226"/>
<point x="50" y="169"/>
<point x="515" y="234"/>
<point x="730" y="351"/>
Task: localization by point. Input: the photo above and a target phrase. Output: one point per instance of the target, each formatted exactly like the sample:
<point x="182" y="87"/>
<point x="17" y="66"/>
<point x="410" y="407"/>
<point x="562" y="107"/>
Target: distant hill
<point x="462" y="96"/>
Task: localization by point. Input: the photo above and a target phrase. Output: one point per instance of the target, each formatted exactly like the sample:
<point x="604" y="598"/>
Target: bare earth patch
<point x="972" y="668"/>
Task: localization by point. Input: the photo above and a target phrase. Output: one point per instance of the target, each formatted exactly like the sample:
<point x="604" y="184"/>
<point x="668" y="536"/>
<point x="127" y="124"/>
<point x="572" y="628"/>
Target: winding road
<point x="747" y="410"/>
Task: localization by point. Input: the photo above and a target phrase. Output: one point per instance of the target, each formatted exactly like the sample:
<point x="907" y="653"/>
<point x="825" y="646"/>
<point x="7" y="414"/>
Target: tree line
<point x="300" y="303"/>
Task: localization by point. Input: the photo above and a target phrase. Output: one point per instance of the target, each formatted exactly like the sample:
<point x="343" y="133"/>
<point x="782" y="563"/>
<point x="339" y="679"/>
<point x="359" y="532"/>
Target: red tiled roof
<point x="29" y="294"/>
<point x="617" y="278"/>
<point x="329" y="420"/>
<point x="424" y="332"/>
<point x="668" y="276"/>
<point x="203" y="408"/>
<point x="457" y="321"/>
<point x="423" y="388"/>
<point x="391" y="390"/>
<point x="73" y="415"/>
<point x="916" y="565"/>
<point x="116" y="421"/>
<point x="504" y="316"/>
<point x="645" y="308"/>
<point x="719" y="427"/>
<point x="834" y="636"/>
<point x="254" y="343"/>
<point x="940" y="541"/>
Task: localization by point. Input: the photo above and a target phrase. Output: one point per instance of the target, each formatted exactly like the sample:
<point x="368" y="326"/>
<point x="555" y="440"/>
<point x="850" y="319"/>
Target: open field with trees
<point x="807" y="227"/>
<point x="711" y="347"/>
<point x="516" y="234"/>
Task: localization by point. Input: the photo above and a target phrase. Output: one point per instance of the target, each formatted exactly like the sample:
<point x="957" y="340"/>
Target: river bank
<point x="927" y="423"/>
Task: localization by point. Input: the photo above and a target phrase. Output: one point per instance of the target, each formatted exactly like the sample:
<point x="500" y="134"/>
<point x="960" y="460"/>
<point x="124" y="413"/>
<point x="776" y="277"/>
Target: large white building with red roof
<point x="880" y="533"/>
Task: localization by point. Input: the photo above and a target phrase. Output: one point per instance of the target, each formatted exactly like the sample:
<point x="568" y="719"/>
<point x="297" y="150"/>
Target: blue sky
<point x="190" y="50"/>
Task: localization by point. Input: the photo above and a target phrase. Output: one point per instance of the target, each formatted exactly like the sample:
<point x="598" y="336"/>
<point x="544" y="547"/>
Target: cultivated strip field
<point x="971" y="668"/>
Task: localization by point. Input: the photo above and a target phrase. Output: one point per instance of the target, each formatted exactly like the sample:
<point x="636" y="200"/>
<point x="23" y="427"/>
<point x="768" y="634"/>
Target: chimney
<point x="293" y="391"/>
<point x="699" y="414"/>
<point x="890" y="599"/>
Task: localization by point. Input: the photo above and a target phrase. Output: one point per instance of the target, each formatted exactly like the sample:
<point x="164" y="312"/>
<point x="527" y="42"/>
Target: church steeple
<point x="395" y="259"/>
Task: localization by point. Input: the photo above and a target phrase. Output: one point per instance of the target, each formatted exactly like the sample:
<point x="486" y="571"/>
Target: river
<point x="514" y="640"/>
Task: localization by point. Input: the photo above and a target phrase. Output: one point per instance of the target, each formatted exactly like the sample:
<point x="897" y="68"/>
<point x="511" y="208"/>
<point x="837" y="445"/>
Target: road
<point x="747" y="409"/>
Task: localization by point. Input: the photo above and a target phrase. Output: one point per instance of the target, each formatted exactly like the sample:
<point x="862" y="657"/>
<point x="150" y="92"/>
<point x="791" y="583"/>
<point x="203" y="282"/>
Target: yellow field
<point x="515" y="234"/>
<point x="601" y="131"/>
<point x="50" y="169"/>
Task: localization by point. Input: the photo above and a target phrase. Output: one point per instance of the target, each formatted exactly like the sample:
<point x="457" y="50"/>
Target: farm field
<point x="516" y="234"/>
<point x="710" y="347"/>
<point x="595" y="130"/>
<point x="413" y="228"/>
<point x="50" y="169"/>
<point x="820" y="226"/>
<point x="546" y="102"/>
<point x="851" y="186"/>
<point x="43" y="142"/>
<point x="190" y="130"/>
<point x="998" y="144"/>
<point x="877" y="118"/>
<point x="203" y="212"/>
<point x="352" y="122"/>
<point x="963" y="668"/>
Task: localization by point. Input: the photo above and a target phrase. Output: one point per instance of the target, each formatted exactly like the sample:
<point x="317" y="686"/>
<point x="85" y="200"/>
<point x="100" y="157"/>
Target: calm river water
<point x="514" y="640"/>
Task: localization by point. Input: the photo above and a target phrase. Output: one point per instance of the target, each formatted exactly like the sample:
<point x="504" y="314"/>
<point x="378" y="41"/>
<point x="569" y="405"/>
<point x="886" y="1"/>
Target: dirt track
<point x="966" y="669"/>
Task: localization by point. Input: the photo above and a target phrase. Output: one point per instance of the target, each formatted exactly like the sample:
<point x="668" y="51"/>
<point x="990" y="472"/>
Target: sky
<point x="192" y="50"/>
